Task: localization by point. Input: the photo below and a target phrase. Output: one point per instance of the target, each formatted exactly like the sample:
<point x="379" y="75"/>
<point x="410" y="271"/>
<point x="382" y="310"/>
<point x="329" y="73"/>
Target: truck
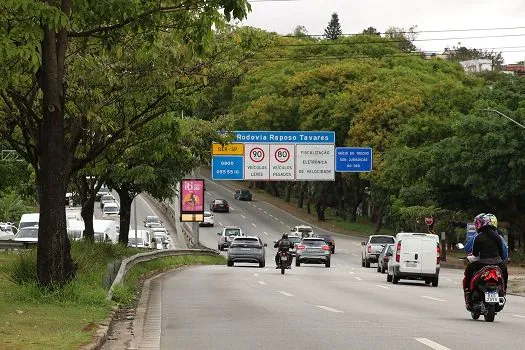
<point x="372" y="247"/>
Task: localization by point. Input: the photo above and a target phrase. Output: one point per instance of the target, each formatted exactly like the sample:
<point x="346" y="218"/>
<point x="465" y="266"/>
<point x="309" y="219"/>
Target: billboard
<point x="192" y="199"/>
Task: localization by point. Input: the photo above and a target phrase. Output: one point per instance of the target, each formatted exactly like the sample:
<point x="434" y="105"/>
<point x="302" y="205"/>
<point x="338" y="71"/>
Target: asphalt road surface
<point x="312" y="307"/>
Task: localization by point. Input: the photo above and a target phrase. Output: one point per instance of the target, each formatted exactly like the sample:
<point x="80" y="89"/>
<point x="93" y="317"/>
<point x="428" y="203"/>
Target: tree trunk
<point x="308" y="209"/>
<point x="289" y="187"/>
<point x="300" y="199"/>
<point x="54" y="261"/>
<point x="379" y="221"/>
<point x="88" y="210"/>
<point x="320" y="212"/>
<point x="125" y="213"/>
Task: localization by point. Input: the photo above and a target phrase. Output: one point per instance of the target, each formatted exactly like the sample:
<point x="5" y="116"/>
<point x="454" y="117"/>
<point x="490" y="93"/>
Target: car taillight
<point x="369" y="249"/>
<point x="398" y="252"/>
<point x="385" y="258"/>
<point x="325" y="247"/>
<point x="438" y="250"/>
<point x="301" y="247"/>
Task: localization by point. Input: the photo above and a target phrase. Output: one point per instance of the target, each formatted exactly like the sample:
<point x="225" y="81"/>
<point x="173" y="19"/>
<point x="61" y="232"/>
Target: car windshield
<point x="304" y="229"/>
<point x="107" y="198"/>
<point x="110" y="209"/>
<point x="246" y="242"/>
<point x="313" y="242"/>
<point x="152" y="219"/>
<point x="27" y="232"/>
<point x="232" y="232"/>
<point x="207" y="214"/>
<point x="382" y="239"/>
<point x="294" y="239"/>
<point x="131" y="240"/>
<point x="245" y="192"/>
<point x="155" y="225"/>
<point x="389" y="249"/>
<point x="220" y="201"/>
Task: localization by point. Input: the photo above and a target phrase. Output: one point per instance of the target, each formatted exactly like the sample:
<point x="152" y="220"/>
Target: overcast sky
<point x="355" y="15"/>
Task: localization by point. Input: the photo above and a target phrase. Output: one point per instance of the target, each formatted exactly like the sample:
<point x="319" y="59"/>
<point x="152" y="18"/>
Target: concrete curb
<point x="100" y="336"/>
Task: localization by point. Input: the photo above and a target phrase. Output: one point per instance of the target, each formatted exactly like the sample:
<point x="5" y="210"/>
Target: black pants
<point x="475" y="266"/>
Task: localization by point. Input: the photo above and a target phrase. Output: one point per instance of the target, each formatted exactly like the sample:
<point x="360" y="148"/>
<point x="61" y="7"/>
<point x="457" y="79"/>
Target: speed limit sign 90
<point x="282" y="155"/>
<point x="257" y="154"/>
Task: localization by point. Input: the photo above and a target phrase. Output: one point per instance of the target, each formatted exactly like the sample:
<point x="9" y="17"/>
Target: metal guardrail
<point x="128" y="263"/>
<point x="9" y="244"/>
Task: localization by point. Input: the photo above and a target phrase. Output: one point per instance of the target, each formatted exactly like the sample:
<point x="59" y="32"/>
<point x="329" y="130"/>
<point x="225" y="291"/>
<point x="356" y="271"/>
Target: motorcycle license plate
<point x="491" y="297"/>
<point x="284" y="258"/>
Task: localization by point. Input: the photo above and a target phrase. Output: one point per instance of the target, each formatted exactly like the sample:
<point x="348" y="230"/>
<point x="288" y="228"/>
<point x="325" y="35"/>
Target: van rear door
<point x="429" y="254"/>
<point x="411" y="254"/>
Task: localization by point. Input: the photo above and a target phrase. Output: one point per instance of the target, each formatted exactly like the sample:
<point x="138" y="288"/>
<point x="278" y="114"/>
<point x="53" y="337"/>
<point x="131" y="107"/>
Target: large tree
<point x="41" y="40"/>
<point x="333" y="30"/>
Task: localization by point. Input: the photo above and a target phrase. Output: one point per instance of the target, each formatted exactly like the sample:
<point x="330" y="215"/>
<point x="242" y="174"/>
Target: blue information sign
<point x="288" y="137"/>
<point x="353" y="159"/>
<point x="471" y="231"/>
<point x="227" y="168"/>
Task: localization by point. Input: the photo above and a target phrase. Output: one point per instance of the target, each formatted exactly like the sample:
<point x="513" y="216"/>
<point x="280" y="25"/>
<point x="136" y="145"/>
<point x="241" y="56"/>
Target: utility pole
<point x="503" y="115"/>
<point x="135" y="218"/>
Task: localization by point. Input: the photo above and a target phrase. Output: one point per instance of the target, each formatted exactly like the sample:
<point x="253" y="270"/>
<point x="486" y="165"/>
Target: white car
<point x="143" y="239"/>
<point x="110" y="209"/>
<point x="107" y="198"/>
<point x="28" y="234"/>
<point x="227" y="235"/>
<point x="295" y="240"/>
<point x="303" y="231"/>
<point x="208" y="219"/>
<point x="152" y="221"/>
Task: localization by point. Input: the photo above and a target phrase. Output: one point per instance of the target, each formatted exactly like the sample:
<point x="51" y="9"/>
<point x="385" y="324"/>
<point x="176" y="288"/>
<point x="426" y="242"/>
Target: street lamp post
<point x="509" y="118"/>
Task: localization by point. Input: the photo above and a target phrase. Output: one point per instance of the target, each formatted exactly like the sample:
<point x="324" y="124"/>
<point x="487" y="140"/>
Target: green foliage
<point x="12" y="206"/>
<point x="333" y="30"/>
<point x="22" y="270"/>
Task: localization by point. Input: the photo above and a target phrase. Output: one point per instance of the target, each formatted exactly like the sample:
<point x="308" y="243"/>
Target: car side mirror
<point x="291" y="230"/>
<point x="265" y="245"/>
<point x="218" y="233"/>
<point x="363" y="243"/>
<point x="460" y="246"/>
<point x="388" y="254"/>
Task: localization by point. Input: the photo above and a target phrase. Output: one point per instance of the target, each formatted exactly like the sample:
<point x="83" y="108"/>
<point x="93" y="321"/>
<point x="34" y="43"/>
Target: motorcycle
<point x="285" y="261"/>
<point x="487" y="292"/>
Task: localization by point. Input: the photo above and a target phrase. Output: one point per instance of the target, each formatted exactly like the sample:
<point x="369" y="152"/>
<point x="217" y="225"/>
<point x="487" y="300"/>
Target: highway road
<point x="312" y="307"/>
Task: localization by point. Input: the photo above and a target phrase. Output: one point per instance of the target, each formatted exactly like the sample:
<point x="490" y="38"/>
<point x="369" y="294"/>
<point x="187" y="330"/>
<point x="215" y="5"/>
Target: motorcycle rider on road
<point x="284" y="244"/>
<point x="487" y="247"/>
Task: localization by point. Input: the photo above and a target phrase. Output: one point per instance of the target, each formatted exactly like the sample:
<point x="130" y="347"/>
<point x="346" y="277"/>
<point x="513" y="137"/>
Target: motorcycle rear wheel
<point x="491" y="313"/>
<point x="282" y="270"/>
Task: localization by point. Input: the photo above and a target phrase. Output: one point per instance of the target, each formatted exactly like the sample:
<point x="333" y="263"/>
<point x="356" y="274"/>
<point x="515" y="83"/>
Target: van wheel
<point x="388" y="277"/>
<point x="383" y="270"/>
<point x="378" y="268"/>
<point x="362" y="262"/>
<point x="427" y="281"/>
<point x="327" y="264"/>
<point x="262" y="263"/>
<point x="395" y="279"/>
<point x="367" y="263"/>
<point x="297" y="262"/>
<point x="435" y="281"/>
<point x="230" y="263"/>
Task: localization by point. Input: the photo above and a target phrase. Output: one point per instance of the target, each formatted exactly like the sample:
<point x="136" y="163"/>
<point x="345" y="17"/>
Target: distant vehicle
<point x="75" y="229"/>
<point x="303" y="231"/>
<point x="227" y="235"/>
<point x="329" y="240"/>
<point x="248" y="249"/>
<point x="143" y="239"/>
<point x="101" y="192"/>
<point x="107" y="198"/>
<point x="155" y="225"/>
<point x="28" y="220"/>
<point x="74" y="213"/>
<point x="208" y="219"/>
<point x="7" y="228"/>
<point x="313" y="250"/>
<point x="106" y="231"/>
<point x="27" y="234"/>
<point x="243" y="195"/>
<point x="152" y="219"/>
<point x="295" y="240"/>
<point x="110" y="209"/>
<point x="372" y="247"/>
<point x="416" y="256"/>
<point x="384" y="256"/>
<point x="220" y="205"/>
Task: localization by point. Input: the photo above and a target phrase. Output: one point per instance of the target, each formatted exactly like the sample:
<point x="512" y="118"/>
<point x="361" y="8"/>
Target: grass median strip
<point x="66" y="317"/>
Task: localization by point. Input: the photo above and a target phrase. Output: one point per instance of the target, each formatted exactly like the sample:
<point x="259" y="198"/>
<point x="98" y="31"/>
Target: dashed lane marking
<point x="431" y="344"/>
<point x="357" y="244"/>
<point x="286" y="293"/>
<point x="271" y="215"/>
<point x="260" y="208"/>
<point x="262" y="282"/>
<point x="328" y="308"/>
<point x="265" y="233"/>
<point x="380" y="286"/>
<point x="254" y="225"/>
<point x="431" y="298"/>
<point x="354" y="254"/>
<point x="255" y="274"/>
<point x="359" y="278"/>
<point x="244" y="217"/>
<point x="519" y="316"/>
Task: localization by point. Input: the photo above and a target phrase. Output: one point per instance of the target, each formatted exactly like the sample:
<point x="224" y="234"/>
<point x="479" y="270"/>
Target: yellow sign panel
<point x="192" y="217"/>
<point x="236" y="149"/>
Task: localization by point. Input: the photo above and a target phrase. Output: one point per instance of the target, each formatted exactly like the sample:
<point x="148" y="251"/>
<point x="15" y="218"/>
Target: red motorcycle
<point x="285" y="261"/>
<point x="487" y="293"/>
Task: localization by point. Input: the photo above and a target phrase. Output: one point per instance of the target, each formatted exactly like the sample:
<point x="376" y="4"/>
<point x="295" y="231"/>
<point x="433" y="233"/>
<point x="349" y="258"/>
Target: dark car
<point x="330" y="241"/>
<point x="220" y="205"/>
<point x="243" y="195"/>
<point x="382" y="260"/>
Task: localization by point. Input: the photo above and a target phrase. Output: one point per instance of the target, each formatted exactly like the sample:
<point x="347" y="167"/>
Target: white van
<point x="29" y="220"/>
<point x="415" y="256"/>
<point x="75" y="229"/>
<point x="143" y="239"/>
<point x="105" y="231"/>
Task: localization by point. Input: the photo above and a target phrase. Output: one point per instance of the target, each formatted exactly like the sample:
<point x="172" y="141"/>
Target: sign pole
<point x="135" y="219"/>
<point x="195" y="225"/>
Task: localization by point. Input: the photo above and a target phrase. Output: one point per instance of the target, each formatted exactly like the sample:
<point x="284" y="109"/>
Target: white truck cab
<point x="302" y="231"/>
<point x="415" y="256"/>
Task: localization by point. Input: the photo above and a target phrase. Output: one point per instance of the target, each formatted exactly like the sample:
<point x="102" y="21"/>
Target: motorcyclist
<point x="486" y="247"/>
<point x="284" y="244"/>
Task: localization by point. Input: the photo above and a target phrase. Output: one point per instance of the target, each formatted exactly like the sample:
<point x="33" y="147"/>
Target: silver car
<point x="295" y="240"/>
<point x="247" y="249"/>
<point x="313" y="251"/>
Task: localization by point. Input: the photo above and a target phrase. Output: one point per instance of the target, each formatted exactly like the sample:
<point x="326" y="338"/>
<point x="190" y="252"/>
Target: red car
<point x="220" y="205"/>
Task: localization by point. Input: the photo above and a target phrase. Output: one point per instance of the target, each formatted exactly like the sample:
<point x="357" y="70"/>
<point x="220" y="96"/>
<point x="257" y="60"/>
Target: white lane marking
<point x="431" y="344"/>
<point x="262" y="282"/>
<point x="276" y="219"/>
<point x="208" y="193"/>
<point x="265" y="233"/>
<point x="354" y="254"/>
<point x="431" y="298"/>
<point x="231" y="208"/>
<point x="359" y="278"/>
<point x="357" y="244"/>
<point x="351" y="272"/>
<point x="271" y="215"/>
<point x="256" y="274"/>
<point x="282" y="223"/>
<point x="254" y="225"/>
<point x="254" y="205"/>
<point x="448" y="279"/>
<point x="149" y="206"/>
<point x="456" y="282"/>
<point x="220" y="223"/>
<point x="519" y="316"/>
<point x="244" y="217"/>
<point x="380" y="286"/>
<point x="328" y="308"/>
<point x="259" y="208"/>
<point x="285" y="293"/>
<point x="265" y="212"/>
